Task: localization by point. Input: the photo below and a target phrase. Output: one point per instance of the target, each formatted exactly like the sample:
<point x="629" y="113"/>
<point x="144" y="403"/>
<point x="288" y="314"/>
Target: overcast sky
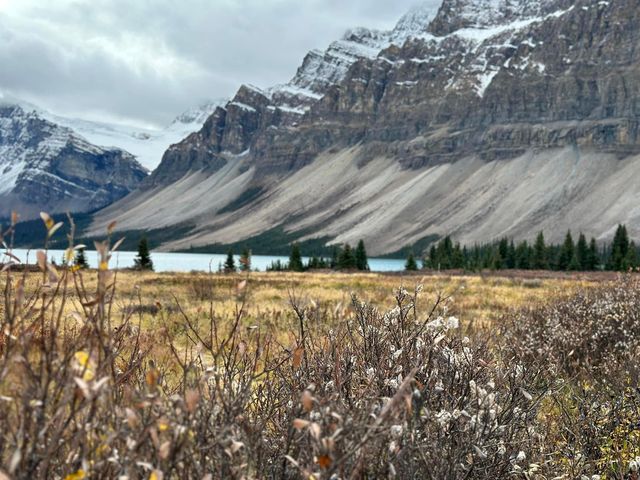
<point x="145" y="61"/>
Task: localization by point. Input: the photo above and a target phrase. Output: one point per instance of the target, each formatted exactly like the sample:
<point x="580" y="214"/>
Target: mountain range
<point x="478" y="119"/>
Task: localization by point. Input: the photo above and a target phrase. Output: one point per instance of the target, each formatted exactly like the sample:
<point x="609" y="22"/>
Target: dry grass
<point x="477" y="301"/>
<point x="321" y="376"/>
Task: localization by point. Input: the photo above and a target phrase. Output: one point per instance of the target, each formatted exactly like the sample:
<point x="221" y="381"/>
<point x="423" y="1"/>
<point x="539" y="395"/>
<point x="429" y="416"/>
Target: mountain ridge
<point x="462" y="92"/>
<point x="44" y="166"/>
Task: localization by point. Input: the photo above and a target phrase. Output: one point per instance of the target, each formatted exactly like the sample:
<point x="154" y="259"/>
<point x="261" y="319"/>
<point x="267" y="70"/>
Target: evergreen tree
<point x="433" y="258"/>
<point x="457" y="257"/>
<point x="245" y="260"/>
<point x="495" y="263"/>
<point x="593" y="262"/>
<point x="567" y="252"/>
<point x="316" y="263"/>
<point x="295" y="259"/>
<point x="81" y="260"/>
<point x="582" y="254"/>
<point x="523" y="256"/>
<point x="444" y="254"/>
<point x="143" y="260"/>
<point x="335" y="257"/>
<point x="276" y="266"/>
<point x="503" y="250"/>
<point x="230" y="263"/>
<point x="631" y="259"/>
<point x="362" y="263"/>
<point x="619" y="249"/>
<point x="540" y="258"/>
<point x="411" y="264"/>
<point x="347" y="260"/>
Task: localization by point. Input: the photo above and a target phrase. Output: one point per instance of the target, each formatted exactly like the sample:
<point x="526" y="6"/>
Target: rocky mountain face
<point x="44" y="166"/>
<point x="431" y="128"/>
<point x="146" y="144"/>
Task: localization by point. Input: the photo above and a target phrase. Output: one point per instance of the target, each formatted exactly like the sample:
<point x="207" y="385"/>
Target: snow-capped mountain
<point x="480" y="119"/>
<point x="147" y="145"/>
<point x="45" y="166"/>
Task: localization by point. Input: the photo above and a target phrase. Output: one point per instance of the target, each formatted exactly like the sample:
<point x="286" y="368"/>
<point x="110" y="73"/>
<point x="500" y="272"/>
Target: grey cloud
<point x="147" y="60"/>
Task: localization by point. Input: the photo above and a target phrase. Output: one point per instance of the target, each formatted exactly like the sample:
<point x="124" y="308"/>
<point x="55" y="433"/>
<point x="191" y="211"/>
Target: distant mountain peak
<point x="458" y="14"/>
<point x="199" y="113"/>
<point x="47" y="166"/>
<point x="415" y="22"/>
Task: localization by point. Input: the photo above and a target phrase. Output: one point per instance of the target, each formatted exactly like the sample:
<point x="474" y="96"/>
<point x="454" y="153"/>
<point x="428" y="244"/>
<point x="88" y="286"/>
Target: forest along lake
<point x="187" y="262"/>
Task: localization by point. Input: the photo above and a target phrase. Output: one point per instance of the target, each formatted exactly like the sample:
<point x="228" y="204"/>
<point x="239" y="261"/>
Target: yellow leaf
<point x="82" y="358"/>
<point x="104" y="266"/>
<point x="163" y="425"/>
<point x="84" y="365"/>
<point x="79" y="475"/>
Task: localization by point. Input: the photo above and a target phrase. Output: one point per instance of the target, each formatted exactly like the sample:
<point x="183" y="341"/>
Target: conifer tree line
<point x="343" y="257"/>
<point x="570" y="255"/>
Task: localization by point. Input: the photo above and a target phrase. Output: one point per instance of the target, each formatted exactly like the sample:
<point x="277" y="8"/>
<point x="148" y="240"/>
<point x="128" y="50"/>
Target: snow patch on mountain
<point x="147" y="145"/>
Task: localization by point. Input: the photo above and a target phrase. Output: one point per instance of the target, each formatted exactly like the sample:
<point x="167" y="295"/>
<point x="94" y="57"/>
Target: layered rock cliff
<point x="44" y="166"/>
<point x="503" y="85"/>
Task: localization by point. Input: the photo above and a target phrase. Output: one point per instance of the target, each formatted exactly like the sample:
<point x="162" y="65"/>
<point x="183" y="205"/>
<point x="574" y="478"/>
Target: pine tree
<point x="631" y="259"/>
<point x="295" y="259"/>
<point x="566" y="252"/>
<point x="230" y="263"/>
<point x="444" y="254"/>
<point x="346" y="259"/>
<point x="411" y="264"/>
<point x="540" y="259"/>
<point x="362" y="263"/>
<point x="457" y="257"/>
<point x="335" y="257"/>
<point x="81" y="260"/>
<point x="619" y="249"/>
<point x="523" y="256"/>
<point x="245" y="260"/>
<point x="433" y="258"/>
<point x="594" y="257"/>
<point x="143" y="260"/>
<point x="582" y="253"/>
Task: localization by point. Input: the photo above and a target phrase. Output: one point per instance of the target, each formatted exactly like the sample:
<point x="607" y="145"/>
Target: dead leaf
<point x="300" y="424"/>
<point x="117" y="245"/>
<point x="307" y="401"/>
<point x="315" y="430"/>
<point x="54" y="229"/>
<point x="42" y="260"/>
<point x="324" y="461"/>
<point x="152" y="378"/>
<point x="297" y="357"/>
<point x="165" y="450"/>
<point x="191" y="400"/>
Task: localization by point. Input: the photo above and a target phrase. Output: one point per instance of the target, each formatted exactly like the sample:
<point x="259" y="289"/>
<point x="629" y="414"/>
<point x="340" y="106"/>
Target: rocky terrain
<point x="44" y="166"/>
<point x="479" y="119"/>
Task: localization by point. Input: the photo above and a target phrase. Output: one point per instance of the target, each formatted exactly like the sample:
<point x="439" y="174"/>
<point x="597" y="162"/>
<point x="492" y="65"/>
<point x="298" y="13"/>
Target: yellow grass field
<point x="475" y="299"/>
